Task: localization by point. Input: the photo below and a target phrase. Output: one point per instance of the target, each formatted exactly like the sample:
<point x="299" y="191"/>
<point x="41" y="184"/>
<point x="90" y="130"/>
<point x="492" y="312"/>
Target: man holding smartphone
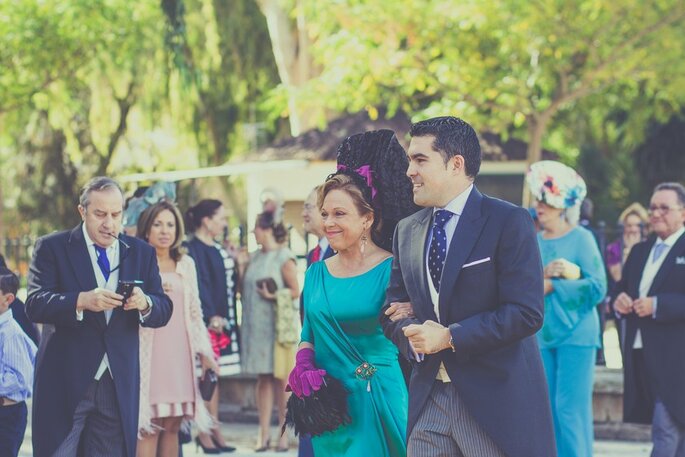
<point x="87" y="379"/>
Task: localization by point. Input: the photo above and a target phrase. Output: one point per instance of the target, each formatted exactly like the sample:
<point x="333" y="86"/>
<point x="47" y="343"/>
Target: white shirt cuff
<point x="143" y="317"/>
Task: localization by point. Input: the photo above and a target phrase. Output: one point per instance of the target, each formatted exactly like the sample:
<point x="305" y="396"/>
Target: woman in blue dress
<point x="575" y="281"/>
<point x="360" y="206"/>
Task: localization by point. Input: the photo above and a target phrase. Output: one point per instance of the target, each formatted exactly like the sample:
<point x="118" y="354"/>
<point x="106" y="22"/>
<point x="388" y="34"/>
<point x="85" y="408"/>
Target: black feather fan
<point x="323" y="411"/>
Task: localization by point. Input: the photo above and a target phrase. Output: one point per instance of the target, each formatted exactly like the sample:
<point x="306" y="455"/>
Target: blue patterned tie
<point x="659" y="249"/>
<point x="438" y="247"/>
<point x="103" y="261"/>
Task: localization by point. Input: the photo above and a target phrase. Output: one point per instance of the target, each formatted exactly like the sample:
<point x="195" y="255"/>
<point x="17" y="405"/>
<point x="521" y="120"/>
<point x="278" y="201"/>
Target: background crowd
<point x="188" y="314"/>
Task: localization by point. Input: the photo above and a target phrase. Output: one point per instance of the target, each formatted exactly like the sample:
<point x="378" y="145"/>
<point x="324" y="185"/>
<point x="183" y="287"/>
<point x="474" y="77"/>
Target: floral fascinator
<point x="153" y="194"/>
<point x="556" y="184"/>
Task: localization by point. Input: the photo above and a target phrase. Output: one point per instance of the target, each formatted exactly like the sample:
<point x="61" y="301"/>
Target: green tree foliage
<point x="72" y="73"/>
<point x="503" y="64"/>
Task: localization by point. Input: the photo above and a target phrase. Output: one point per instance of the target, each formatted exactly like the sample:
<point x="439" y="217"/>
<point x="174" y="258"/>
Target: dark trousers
<point x="12" y="428"/>
<point x="96" y="430"/>
<point x="305" y="448"/>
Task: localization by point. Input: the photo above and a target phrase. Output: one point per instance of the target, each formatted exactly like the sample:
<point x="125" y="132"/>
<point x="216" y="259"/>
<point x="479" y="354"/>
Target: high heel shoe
<point x="206" y="450"/>
<point x="264" y="448"/>
<point x="220" y="447"/>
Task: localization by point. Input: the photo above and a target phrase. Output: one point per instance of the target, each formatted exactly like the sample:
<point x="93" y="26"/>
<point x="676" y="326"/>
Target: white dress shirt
<point x="110" y="284"/>
<point x="455" y="206"/>
<point x="649" y="273"/>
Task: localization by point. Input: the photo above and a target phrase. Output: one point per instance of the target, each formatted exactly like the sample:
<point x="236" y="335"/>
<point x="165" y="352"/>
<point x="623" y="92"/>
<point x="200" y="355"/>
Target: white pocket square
<point x="680" y="260"/>
<point x="476" y="262"/>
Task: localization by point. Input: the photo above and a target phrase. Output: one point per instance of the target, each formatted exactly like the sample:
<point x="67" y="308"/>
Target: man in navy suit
<point x="464" y="302"/>
<point x="651" y="299"/>
<point x="87" y="378"/>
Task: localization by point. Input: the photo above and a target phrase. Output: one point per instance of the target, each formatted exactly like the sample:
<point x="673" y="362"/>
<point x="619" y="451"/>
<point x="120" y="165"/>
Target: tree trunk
<point x="290" y="45"/>
<point x="537" y="126"/>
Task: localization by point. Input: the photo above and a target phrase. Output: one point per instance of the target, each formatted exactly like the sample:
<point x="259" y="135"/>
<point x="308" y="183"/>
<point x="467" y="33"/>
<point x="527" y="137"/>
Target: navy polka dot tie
<point x="438" y="247"/>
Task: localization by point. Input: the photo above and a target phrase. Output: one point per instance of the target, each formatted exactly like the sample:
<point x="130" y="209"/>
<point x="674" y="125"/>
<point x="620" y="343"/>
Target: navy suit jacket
<point x="663" y="336"/>
<point x="493" y="309"/>
<point x="70" y="356"/>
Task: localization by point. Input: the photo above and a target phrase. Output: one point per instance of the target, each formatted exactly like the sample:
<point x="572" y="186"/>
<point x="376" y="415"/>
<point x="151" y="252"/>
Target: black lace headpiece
<point x="378" y="164"/>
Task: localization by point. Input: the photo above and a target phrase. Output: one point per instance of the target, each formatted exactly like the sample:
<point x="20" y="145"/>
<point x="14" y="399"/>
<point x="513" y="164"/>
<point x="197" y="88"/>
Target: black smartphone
<point x="125" y="287"/>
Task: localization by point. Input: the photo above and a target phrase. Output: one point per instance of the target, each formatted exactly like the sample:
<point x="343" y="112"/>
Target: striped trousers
<point x="97" y="430"/>
<point x="445" y="428"/>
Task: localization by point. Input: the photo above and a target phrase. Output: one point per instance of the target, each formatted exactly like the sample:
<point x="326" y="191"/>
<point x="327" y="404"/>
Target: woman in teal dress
<point x="575" y="281"/>
<point x="342" y="296"/>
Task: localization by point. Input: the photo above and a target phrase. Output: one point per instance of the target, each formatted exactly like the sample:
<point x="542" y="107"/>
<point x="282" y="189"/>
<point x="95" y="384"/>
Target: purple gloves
<point x="305" y="378"/>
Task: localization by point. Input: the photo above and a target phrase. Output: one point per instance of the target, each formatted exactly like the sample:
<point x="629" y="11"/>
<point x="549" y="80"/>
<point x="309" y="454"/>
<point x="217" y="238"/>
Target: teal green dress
<point x="341" y="321"/>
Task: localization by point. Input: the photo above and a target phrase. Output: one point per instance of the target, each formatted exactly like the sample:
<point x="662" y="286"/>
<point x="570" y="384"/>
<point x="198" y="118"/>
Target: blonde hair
<point x="636" y="209"/>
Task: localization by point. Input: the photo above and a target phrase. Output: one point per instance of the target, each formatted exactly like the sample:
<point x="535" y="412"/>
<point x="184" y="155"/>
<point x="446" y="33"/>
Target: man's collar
<point x="90" y="242"/>
<point x="6" y="316"/>
<point x="670" y="240"/>
<point x="456" y="205"/>
<point x="323" y="243"/>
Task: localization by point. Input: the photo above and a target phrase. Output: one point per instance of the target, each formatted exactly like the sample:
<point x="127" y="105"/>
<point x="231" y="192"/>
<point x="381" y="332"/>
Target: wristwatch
<point x="452" y="344"/>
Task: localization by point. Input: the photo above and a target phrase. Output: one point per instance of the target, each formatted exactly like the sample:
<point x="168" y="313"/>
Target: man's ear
<point x="457" y="163"/>
<point x="82" y="212"/>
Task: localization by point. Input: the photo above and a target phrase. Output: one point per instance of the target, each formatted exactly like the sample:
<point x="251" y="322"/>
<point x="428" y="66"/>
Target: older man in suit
<point x="651" y="299"/>
<point x="87" y="378"/>
<point x="466" y="298"/>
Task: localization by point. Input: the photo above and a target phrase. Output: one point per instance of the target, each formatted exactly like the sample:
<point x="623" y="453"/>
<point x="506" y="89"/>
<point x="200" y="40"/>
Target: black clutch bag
<point x="208" y="384"/>
<point x="323" y="411"/>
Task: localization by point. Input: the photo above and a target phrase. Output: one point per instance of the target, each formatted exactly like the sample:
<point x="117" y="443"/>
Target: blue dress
<point x="569" y="339"/>
<point x="341" y="321"/>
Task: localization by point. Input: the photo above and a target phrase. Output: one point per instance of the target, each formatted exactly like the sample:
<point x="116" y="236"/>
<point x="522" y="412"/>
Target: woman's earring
<point x="363" y="245"/>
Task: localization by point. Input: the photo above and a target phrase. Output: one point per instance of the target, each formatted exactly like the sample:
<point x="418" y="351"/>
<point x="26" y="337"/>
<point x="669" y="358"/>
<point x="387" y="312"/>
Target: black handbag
<point x="208" y="384"/>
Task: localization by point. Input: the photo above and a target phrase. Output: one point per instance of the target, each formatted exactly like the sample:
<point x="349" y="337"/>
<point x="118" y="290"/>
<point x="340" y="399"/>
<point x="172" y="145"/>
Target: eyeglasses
<point x="662" y="209"/>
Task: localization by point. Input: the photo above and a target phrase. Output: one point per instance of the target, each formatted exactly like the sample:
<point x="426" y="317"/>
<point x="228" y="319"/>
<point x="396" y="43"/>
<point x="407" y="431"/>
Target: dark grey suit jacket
<point x="493" y="309"/>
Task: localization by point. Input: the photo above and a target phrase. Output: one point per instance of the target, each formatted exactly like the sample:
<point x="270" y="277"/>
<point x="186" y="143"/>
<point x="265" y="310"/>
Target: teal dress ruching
<point x="341" y="321"/>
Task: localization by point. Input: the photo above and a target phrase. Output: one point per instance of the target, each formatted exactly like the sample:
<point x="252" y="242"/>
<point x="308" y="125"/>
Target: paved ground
<point x="243" y="436"/>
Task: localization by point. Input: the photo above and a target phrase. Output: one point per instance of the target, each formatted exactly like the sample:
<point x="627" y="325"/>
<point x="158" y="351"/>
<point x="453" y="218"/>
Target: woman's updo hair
<point x="204" y="208"/>
<point x="353" y="188"/>
<point x="266" y="221"/>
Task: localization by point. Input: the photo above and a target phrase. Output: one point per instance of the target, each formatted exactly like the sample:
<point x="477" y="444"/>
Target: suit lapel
<point x="417" y="255"/>
<point x="466" y="234"/>
<point x="642" y="259"/>
<point x="669" y="261"/>
<point x="79" y="257"/>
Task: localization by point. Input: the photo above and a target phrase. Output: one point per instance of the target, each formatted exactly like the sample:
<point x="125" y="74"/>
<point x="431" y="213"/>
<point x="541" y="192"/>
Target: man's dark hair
<point x="9" y="282"/>
<point x="675" y="187"/>
<point x="453" y="137"/>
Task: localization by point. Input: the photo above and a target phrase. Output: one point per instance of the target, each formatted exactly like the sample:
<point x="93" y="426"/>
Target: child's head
<point x="9" y="284"/>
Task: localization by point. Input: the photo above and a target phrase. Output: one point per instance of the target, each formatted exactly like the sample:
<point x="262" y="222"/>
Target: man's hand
<point x="98" y="300"/>
<point x="644" y="307"/>
<point x="137" y="301"/>
<point x="427" y="338"/>
<point x="623" y="303"/>
<point x="399" y="310"/>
